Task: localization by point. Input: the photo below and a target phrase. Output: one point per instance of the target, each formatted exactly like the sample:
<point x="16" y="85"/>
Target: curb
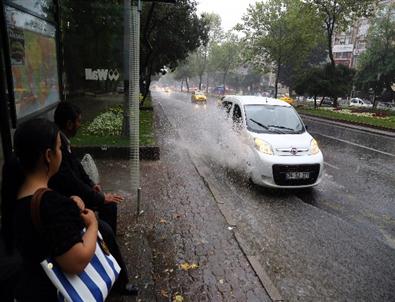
<point x="359" y="126"/>
<point x="146" y="152"/>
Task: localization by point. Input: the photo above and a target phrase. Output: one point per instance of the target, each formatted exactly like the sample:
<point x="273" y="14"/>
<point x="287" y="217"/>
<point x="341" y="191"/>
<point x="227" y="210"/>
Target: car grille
<point x="291" y="151"/>
<point x="279" y="174"/>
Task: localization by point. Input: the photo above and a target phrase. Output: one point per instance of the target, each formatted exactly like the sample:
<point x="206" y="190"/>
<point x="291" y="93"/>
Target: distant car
<point x="198" y="97"/>
<point x="327" y="101"/>
<point x="357" y="102"/>
<point x="167" y="89"/>
<point x="385" y="106"/>
<point x="284" y="154"/>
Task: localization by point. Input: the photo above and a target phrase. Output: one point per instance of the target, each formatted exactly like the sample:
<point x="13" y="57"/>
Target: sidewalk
<point x="181" y="248"/>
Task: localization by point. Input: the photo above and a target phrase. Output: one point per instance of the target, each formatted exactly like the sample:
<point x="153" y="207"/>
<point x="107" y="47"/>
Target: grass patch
<point x="387" y="122"/>
<point x="147" y="128"/>
<point x="83" y="138"/>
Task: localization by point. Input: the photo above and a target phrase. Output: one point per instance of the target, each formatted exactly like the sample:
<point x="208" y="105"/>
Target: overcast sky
<point x="230" y="11"/>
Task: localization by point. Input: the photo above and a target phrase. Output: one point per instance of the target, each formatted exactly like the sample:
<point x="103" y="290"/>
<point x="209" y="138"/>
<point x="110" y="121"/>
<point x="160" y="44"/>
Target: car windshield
<point x="273" y="119"/>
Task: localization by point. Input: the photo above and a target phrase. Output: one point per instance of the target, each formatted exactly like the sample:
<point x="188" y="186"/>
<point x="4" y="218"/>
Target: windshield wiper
<point x="259" y="124"/>
<point x="281" y="127"/>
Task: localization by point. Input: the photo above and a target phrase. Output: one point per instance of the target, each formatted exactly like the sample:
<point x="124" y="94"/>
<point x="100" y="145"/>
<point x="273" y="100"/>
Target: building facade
<point x="349" y="45"/>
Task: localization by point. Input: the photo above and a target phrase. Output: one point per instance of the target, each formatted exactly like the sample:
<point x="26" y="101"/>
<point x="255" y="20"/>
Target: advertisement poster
<point x="34" y="63"/>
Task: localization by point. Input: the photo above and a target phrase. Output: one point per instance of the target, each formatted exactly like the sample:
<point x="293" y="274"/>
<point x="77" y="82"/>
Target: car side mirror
<point x="307" y="127"/>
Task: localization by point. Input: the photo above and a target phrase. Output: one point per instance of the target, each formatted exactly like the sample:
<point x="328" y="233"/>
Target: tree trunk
<point x="276" y="81"/>
<point x="322" y="100"/>
<point x="315" y="102"/>
<point x="182" y="84"/>
<point x="374" y="101"/>
<point x="200" y="81"/>
<point x="329" y="31"/>
<point x="224" y="80"/>
<point x="186" y="83"/>
<point x="207" y="82"/>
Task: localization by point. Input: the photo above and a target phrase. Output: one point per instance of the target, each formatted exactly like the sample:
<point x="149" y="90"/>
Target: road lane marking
<point x="332" y="166"/>
<point x="355" y="144"/>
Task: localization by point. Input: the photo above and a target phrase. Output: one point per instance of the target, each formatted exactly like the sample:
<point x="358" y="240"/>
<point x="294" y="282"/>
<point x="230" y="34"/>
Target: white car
<point x="285" y="155"/>
<point x="357" y="102"/>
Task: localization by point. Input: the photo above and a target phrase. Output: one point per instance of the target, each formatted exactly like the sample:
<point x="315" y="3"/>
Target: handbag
<point x="94" y="283"/>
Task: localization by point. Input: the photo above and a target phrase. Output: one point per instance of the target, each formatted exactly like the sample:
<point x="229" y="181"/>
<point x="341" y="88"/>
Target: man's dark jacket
<point x="72" y="179"/>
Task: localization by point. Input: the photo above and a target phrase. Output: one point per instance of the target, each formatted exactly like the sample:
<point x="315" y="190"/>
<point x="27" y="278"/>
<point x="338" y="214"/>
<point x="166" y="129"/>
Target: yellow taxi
<point x="288" y="99"/>
<point x="198" y="97"/>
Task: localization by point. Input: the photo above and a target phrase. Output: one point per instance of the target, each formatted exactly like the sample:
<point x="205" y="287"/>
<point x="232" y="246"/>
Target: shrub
<point x="107" y="123"/>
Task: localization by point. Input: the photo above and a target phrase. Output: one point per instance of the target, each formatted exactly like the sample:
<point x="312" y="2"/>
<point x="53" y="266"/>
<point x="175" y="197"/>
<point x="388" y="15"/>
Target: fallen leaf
<point x="221" y="281"/>
<point x="178" y="298"/>
<point x="176" y="216"/>
<point x="164" y="293"/>
<point x="186" y="266"/>
<point x="194" y="266"/>
<point x="162" y="221"/>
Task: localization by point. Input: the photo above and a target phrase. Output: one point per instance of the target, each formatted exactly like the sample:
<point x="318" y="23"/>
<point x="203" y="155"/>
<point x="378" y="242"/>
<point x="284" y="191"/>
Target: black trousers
<point x="108" y="213"/>
<point x="110" y="240"/>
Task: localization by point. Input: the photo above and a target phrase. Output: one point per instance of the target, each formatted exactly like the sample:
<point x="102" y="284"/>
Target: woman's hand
<point x="79" y="202"/>
<point x="89" y="217"/>
<point x="112" y="197"/>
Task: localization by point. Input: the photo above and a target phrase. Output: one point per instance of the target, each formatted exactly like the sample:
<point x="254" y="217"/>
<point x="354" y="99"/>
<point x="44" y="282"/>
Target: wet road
<point x="335" y="243"/>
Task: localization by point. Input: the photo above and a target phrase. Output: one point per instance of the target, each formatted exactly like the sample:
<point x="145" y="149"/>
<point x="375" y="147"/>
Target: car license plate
<point x="297" y="175"/>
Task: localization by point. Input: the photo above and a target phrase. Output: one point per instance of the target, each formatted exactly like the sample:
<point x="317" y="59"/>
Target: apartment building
<point x="349" y="45"/>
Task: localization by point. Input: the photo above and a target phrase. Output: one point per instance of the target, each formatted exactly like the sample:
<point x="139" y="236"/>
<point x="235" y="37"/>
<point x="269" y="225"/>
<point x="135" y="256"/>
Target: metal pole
<point x="133" y="98"/>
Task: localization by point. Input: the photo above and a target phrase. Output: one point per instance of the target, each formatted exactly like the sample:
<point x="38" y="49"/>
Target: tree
<point x="313" y="83"/>
<point x="226" y="56"/>
<point x="169" y="34"/>
<point x="337" y="15"/>
<point x="376" y="68"/>
<point x="215" y="35"/>
<point x="279" y="34"/>
<point x="184" y="71"/>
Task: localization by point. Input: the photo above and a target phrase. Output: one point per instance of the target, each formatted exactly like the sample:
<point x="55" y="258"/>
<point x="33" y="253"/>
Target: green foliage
<point x="339" y="80"/>
<point x="326" y="80"/>
<point x="226" y="55"/>
<point x="106" y="128"/>
<point x="280" y="33"/>
<point x="376" y="68"/>
<point x="169" y="32"/>
<point x="107" y="123"/>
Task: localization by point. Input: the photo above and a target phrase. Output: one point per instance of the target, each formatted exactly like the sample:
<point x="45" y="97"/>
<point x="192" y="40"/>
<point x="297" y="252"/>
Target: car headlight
<point x="263" y="146"/>
<point x="314" y="149"/>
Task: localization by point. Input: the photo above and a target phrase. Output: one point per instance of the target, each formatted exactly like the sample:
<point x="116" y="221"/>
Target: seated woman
<point x="37" y="157"/>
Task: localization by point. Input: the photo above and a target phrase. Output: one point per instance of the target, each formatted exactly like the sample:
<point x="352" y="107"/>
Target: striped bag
<point x="94" y="283"/>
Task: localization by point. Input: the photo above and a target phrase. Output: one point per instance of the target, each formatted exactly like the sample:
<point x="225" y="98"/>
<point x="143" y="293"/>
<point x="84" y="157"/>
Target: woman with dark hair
<point x="37" y="157"/>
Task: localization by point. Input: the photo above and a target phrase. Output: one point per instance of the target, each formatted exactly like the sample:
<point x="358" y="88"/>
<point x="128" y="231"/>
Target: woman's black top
<point x="61" y="226"/>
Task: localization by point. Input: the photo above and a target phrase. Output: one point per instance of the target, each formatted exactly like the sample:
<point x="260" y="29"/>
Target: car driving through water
<point x="285" y="155"/>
